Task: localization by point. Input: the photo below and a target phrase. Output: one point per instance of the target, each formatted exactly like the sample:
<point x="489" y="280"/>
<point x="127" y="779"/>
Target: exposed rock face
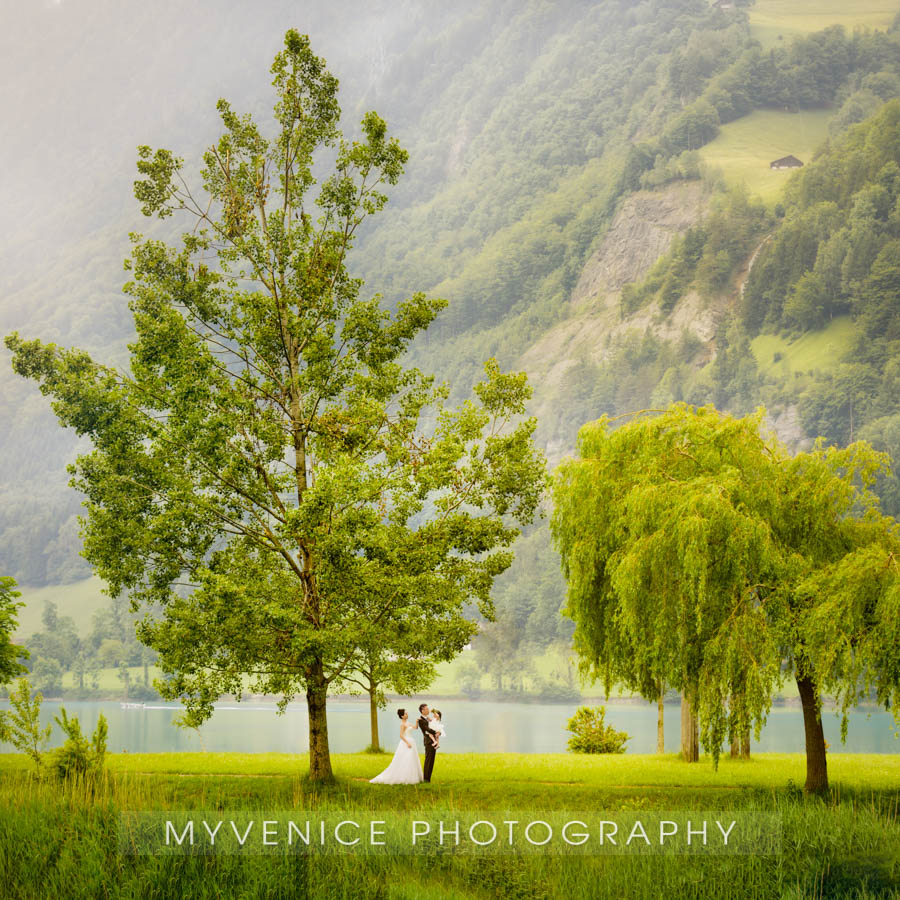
<point x="787" y="427"/>
<point x="640" y="233"/>
<point x="461" y="137"/>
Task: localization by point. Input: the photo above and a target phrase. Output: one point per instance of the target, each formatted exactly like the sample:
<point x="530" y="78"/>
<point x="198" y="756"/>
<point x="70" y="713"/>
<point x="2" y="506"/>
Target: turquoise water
<point x="471" y="727"/>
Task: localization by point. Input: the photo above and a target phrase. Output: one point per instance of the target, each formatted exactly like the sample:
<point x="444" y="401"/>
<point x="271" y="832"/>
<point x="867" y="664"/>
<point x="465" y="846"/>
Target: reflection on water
<point x="471" y="727"/>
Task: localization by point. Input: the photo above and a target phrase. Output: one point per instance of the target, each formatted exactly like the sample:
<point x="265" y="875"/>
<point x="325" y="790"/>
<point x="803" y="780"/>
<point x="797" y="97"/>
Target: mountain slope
<point x="530" y="127"/>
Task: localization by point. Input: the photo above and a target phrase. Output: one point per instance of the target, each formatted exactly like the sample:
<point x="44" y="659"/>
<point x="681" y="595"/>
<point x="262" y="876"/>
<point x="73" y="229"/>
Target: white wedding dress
<point x="405" y="767"/>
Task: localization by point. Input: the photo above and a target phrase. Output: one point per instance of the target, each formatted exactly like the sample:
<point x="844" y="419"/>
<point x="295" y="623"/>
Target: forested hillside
<point x="556" y="195"/>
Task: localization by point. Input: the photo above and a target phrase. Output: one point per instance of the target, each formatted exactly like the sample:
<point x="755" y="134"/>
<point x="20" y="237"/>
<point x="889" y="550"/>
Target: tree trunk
<point x="316" y="694"/>
<point x="660" y="730"/>
<point x="690" y="732"/>
<point x="816" y="764"/>
<point x="740" y="745"/>
<point x="373" y="718"/>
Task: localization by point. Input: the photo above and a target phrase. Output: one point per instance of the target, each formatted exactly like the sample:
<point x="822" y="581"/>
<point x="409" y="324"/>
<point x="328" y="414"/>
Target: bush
<point x="77" y="756"/>
<point x="591" y="734"/>
<point x="22" y="725"/>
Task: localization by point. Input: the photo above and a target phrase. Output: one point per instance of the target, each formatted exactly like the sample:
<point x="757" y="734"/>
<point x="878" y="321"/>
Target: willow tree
<point x="261" y="483"/>
<point x="700" y="554"/>
<point x="837" y="610"/>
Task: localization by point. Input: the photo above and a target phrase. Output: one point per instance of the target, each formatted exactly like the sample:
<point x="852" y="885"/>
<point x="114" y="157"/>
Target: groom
<point x="429" y="746"/>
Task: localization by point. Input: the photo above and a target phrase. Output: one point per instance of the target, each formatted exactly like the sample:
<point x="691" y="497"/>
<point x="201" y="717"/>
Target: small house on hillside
<point x="786" y="162"/>
<point x="723" y="4"/>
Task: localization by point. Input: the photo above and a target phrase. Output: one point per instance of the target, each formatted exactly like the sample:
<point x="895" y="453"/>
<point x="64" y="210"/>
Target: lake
<point x="471" y="726"/>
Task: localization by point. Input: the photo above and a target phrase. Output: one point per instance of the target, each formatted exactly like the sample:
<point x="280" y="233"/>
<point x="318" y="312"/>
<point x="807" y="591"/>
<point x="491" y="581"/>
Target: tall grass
<point x="61" y="840"/>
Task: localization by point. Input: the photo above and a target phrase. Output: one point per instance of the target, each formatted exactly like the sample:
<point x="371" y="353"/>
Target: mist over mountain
<point x="561" y="194"/>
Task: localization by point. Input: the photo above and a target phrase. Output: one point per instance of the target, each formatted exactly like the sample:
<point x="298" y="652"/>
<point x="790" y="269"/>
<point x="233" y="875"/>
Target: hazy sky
<point x="86" y="81"/>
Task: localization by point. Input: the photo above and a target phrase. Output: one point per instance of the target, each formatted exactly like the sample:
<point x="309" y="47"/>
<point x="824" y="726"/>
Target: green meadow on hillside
<point x="775" y="21"/>
<point x="779" y="355"/>
<point x="744" y="148"/>
<point x="80" y="600"/>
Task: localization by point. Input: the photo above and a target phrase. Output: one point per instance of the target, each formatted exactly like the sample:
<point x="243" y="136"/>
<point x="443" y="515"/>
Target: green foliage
<point x="884" y="434"/>
<point x="57" y="642"/>
<point x="262" y="482"/>
<point x="734" y="375"/>
<point x="21" y="726"/>
<point x="403" y="656"/>
<point x="591" y="734"/>
<point x="46" y="674"/>
<point x="840" y="217"/>
<point x="700" y="554"/>
<point x="526" y="132"/>
<point x="526" y="128"/>
<point x="78" y="757"/>
<point x="108" y="641"/>
<point x="10" y="653"/>
<point x="808" y="73"/>
<point x="515" y="244"/>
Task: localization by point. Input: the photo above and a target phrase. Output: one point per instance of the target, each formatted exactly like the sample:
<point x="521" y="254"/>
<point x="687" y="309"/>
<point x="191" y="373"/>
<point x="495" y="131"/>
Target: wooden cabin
<point x="786" y="162"/>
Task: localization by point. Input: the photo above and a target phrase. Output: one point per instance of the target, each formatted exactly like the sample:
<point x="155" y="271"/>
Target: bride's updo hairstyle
<point x="401" y="713"/>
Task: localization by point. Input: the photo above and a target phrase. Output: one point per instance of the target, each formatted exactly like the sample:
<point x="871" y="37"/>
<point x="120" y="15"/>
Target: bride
<point x="405" y="767"/>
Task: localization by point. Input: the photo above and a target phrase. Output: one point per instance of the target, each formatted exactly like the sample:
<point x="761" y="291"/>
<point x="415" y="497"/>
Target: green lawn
<point x="744" y="148"/>
<point x="815" y="350"/>
<point x="777" y="21"/>
<point x="58" y="841"/>
<point x="490" y="775"/>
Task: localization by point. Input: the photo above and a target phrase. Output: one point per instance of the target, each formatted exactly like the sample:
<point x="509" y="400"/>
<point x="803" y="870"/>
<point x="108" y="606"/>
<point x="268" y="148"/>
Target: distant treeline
<point x="110" y="643"/>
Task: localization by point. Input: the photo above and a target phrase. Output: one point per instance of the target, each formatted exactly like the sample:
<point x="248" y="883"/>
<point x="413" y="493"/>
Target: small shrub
<point x="591" y="734"/>
<point x="78" y="756"/>
<point x="22" y="725"/>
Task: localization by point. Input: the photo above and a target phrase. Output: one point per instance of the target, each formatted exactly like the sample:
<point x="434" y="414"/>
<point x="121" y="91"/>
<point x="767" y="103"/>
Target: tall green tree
<point x="262" y="482"/>
<point x="700" y="554"/>
<point x="402" y="657"/>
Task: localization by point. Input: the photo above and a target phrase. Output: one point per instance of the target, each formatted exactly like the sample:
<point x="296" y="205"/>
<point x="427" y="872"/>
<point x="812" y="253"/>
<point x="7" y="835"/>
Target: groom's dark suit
<point x="429" y="747"/>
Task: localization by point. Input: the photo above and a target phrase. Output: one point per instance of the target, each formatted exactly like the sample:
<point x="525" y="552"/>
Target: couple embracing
<point x="405" y="767"/>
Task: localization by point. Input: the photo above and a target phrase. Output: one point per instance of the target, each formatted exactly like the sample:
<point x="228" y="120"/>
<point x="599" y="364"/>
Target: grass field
<point x="777" y="21"/>
<point x="64" y="841"/>
<point x="815" y="350"/>
<point x="744" y="148"/>
<point x="80" y="600"/>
